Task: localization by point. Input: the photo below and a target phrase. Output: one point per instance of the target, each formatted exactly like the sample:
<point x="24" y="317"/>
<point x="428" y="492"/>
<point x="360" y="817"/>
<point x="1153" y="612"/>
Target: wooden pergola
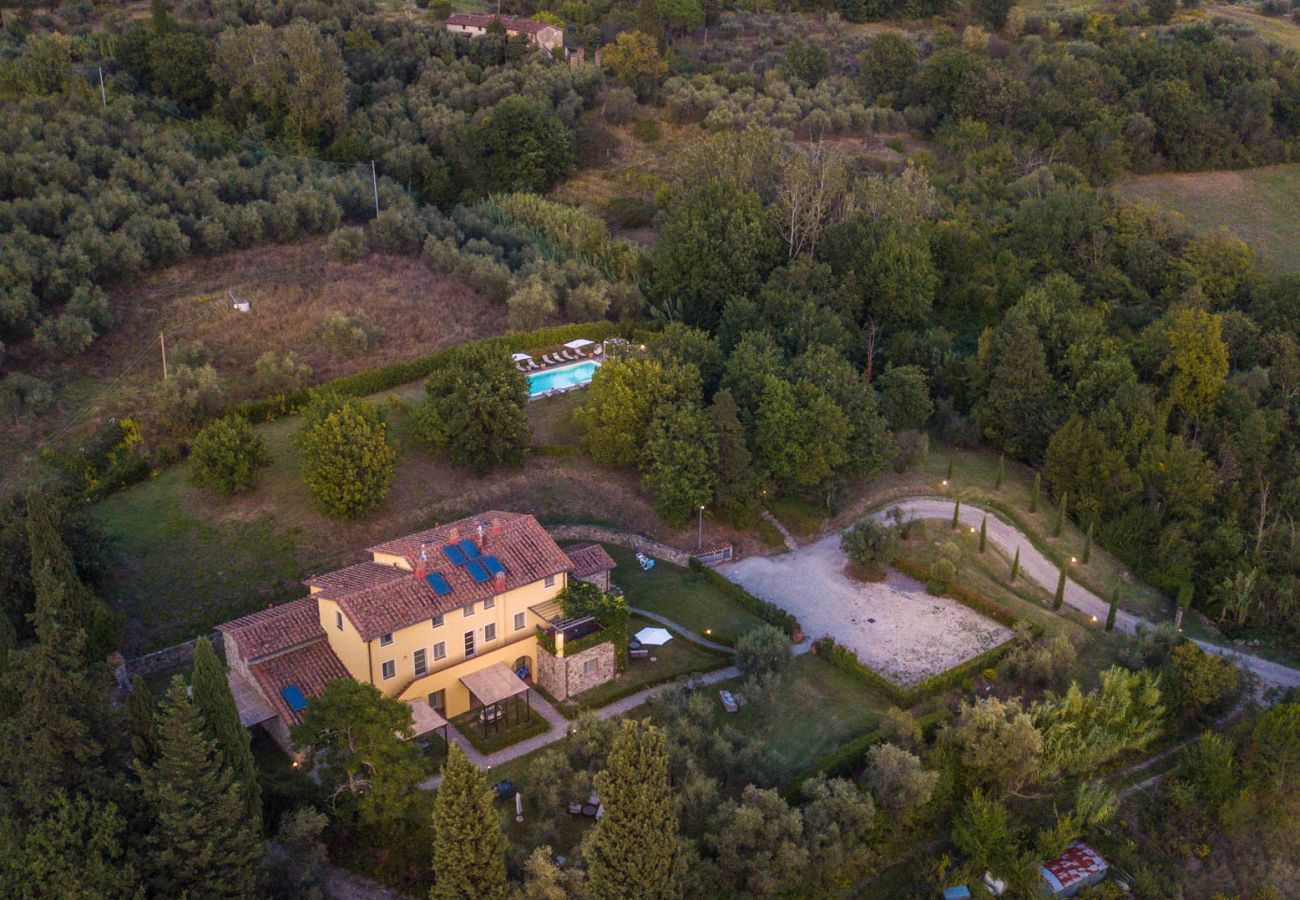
<point x="424" y="719"/>
<point x="491" y="686"/>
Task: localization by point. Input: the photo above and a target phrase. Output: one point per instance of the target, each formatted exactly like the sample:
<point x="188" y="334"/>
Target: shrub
<point x="347" y="458"/>
<point x="67" y="335"/>
<point x="440" y="9"/>
<point x="531" y="304"/>
<point x="942" y="574"/>
<point x="227" y="455"/>
<point x="587" y="302"/>
<point x="476" y="412"/>
<point x="1202" y="681"/>
<point x="911" y="449"/>
<point x="349" y="335"/>
<point x="630" y="212"/>
<point x="763" y="652"/>
<point x="870" y="545"/>
<point x="22" y="394"/>
<point x="189" y="397"/>
<point x="277" y="373"/>
<point x="897" y="779"/>
<point x="619" y="106"/>
<point x="647" y="130"/>
<point x="397" y="230"/>
<point x="346" y="245"/>
<point x="898" y="726"/>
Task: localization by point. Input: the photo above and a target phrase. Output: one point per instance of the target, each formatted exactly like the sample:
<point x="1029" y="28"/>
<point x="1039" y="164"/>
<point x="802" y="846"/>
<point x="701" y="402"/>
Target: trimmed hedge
<point x="372" y="381"/>
<point x="555" y="450"/>
<point x="963" y="595"/>
<point x="847" y="662"/>
<point x="768" y="612"/>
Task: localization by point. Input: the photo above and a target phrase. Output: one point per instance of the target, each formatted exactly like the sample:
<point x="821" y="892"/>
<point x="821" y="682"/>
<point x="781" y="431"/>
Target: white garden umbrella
<point x="653" y="636"/>
<point x="519" y="357"/>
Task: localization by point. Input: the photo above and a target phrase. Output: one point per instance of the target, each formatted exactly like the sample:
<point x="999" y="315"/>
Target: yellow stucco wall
<point x="508" y="645"/>
<point x="346" y="643"/>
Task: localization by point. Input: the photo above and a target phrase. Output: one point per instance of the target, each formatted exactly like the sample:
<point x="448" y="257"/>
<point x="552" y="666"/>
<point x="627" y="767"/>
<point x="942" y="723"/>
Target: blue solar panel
<point x="476" y="570"/>
<point x="493" y="565"/>
<point x="438" y="583"/>
<point x="293" y="695"/>
<point x="454" y="554"/>
<point x="470" y="549"/>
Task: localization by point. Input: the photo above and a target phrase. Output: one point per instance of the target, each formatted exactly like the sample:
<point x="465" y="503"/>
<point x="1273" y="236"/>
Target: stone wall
<point x="622" y="539"/>
<point x="176" y="657"/>
<point x="563" y="678"/>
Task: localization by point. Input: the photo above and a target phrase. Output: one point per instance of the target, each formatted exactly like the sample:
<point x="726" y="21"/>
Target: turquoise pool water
<point x="563" y="377"/>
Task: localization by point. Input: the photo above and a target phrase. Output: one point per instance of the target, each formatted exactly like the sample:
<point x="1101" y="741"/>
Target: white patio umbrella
<point x="519" y="357"/>
<point x="653" y="637"/>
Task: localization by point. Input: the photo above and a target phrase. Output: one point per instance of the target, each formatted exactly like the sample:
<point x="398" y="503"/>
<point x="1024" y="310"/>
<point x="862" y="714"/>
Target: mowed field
<point x="292" y="289"/>
<point x="1260" y="206"/>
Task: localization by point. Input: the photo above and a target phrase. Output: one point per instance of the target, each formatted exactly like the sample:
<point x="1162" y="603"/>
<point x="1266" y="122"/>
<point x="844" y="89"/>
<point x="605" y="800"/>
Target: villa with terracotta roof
<point x="429" y="619"/>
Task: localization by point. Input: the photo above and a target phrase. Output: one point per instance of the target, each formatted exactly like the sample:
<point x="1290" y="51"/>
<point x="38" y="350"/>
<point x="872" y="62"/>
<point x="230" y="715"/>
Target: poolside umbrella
<point x="653" y="637"/>
<point x="519" y="357"/>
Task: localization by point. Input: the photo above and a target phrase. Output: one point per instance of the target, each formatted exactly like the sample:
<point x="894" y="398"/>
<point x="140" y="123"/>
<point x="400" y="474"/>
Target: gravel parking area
<point x="894" y="626"/>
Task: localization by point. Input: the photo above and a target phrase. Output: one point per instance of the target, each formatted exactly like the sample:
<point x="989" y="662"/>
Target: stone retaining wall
<point x="564" y="677"/>
<point x="622" y="539"/>
<point x="177" y="656"/>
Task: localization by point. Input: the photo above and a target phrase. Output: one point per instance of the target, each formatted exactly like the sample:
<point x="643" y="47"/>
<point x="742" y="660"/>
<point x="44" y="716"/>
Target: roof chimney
<point x="499" y="582"/>
<point x="453" y="534"/>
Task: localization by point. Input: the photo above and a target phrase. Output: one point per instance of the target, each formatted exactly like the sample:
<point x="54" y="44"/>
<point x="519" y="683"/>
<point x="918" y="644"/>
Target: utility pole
<point x="103" y="95"/>
<point x="374" y="181"/>
<point x="162" y="342"/>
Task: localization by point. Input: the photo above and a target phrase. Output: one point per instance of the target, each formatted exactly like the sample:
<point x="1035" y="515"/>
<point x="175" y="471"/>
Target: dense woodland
<point x="818" y="315"/>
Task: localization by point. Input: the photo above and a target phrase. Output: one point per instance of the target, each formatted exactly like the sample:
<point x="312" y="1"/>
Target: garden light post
<point x="699" y="539"/>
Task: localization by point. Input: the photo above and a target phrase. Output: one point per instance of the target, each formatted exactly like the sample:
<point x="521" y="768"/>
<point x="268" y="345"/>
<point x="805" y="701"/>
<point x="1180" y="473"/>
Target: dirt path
<point x="1035" y="566"/>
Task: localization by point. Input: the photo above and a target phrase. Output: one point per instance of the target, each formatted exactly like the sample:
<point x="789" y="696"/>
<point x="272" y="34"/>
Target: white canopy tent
<point x="653" y="637"/>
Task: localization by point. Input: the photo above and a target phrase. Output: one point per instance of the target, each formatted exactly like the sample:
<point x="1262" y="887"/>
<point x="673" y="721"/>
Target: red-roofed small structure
<point x="539" y="34"/>
<point x="1078" y="867"/>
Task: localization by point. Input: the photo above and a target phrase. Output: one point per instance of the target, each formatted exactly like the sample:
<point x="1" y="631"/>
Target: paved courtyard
<point x="894" y="626"/>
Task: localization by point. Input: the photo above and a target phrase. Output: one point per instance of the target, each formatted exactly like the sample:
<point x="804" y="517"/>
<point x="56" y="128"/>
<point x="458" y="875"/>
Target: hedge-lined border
<point x="383" y="378"/>
<point x="962" y="594"/>
<point x="768" y="612"/>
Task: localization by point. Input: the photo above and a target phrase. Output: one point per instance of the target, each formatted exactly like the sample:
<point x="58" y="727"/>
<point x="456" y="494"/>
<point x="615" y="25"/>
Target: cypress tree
<point x="468" y="848"/>
<point x="202" y="842"/>
<point x="634" y="850"/>
<point x="1087" y="544"/>
<point x="736" y="487"/>
<point x="52" y="563"/>
<point x="1038" y="490"/>
<point x="1060" y="588"/>
<point x="142" y="712"/>
<point x="49" y="742"/>
<point x="984" y="533"/>
<point x="956" y="513"/>
<point x="1060" y="515"/>
<point x="1002" y="471"/>
<point x="1015" y="565"/>
<point x="211" y="692"/>
<point x="1114" y="606"/>
<point x="949" y="475"/>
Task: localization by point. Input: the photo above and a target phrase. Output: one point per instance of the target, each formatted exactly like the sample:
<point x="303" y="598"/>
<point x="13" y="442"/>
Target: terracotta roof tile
<point x="524" y="549"/>
<point x="310" y="667"/>
<point x="588" y="559"/>
<point x="355" y="578"/>
<point x="275" y="630"/>
<point x="509" y="23"/>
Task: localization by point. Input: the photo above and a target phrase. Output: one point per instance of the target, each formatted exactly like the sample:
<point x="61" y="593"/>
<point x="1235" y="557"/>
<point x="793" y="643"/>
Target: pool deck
<point x="543" y="368"/>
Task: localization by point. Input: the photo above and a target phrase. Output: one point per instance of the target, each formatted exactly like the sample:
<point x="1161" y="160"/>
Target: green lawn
<point x="676" y="658"/>
<point x="683" y="596"/>
<point x="814" y="710"/>
<point x="1260" y="206"/>
<point x="524" y="723"/>
<point x="800" y="517"/>
<point x="551" y="419"/>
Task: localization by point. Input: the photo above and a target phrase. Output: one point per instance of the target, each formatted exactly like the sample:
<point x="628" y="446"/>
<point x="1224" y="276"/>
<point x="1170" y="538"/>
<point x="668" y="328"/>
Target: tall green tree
<point x="735" y="484"/>
<point x="469" y="848"/>
<point x="202" y="842"/>
<point x="52" y="564"/>
<point x="1018" y="398"/>
<point x="634" y="850"/>
<point x="801" y="436"/>
<point x="679" y="461"/>
<point x="52" y="740"/>
<point x="142" y="717"/>
<point x="347" y="456"/>
<point x="211" y="693"/>
<point x="357" y="745"/>
<point x="520" y="146"/>
<point x="476" y="411"/>
<point x="76" y="851"/>
<point x="718" y="241"/>
<point x="621" y="404"/>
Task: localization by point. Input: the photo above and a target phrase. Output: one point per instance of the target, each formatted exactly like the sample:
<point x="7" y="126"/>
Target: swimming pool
<point x="563" y="377"/>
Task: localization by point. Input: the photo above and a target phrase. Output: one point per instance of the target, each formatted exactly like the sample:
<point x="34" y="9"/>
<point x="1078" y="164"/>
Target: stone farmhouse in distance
<point x="538" y="34"/>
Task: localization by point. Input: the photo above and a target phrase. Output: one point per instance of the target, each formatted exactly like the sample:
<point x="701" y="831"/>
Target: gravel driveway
<point x="894" y="626"/>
